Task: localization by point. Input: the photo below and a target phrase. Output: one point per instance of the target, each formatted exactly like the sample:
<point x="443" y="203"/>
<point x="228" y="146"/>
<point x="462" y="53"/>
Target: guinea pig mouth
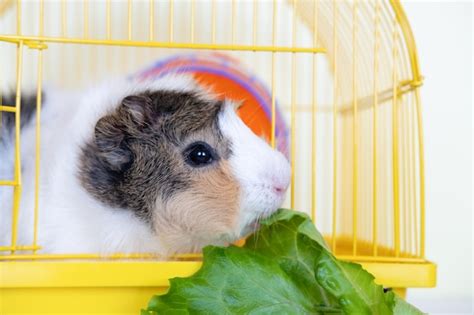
<point x="254" y="225"/>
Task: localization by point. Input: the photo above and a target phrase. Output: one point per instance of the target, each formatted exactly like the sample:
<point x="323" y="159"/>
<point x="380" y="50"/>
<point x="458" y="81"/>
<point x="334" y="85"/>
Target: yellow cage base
<point x="124" y="287"/>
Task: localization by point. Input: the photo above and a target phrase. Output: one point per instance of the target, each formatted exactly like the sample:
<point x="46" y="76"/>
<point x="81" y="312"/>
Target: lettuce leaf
<point x="234" y="280"/>
<point x="291" y="238"/>
<point x="284" y="268"/>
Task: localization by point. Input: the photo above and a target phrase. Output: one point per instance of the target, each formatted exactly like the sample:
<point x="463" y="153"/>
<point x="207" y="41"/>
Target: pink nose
<point x="280" y="190"/>
<point x="280" y="186"/>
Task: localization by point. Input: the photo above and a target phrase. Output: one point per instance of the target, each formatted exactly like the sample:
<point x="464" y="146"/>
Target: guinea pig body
<point x="158" y="166"/>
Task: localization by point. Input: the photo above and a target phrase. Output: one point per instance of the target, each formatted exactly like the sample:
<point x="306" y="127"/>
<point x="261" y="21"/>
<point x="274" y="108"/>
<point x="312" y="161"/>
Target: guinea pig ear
<point x="111" y="145"/>
<point x="137" y="108"/>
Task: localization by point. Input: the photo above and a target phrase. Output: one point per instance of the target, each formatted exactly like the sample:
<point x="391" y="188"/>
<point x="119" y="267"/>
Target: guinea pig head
<point x="186" y="164"/>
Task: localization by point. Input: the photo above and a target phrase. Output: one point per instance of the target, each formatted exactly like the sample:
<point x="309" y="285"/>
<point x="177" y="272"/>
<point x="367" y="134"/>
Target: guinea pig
<point x="160" y="166"/>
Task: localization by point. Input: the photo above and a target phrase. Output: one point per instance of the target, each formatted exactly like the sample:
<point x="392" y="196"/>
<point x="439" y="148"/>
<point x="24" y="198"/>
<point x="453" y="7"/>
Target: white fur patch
<point x="258" y="168"/>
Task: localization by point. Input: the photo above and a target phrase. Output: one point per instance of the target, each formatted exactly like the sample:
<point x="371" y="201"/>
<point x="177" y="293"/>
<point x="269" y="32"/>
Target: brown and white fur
<point x="119" y="172"/>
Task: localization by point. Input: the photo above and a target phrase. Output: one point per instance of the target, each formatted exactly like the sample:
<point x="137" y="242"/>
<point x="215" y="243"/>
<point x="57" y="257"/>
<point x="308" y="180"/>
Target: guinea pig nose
<point x="280" y="185"/>
<point x="279" y="190"/>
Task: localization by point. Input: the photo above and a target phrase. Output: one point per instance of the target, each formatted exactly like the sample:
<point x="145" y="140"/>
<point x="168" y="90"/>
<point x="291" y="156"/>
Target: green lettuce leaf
<point x="235" y="280"/>
<point x="291" y="238"/>
<point x="284" y="268"/>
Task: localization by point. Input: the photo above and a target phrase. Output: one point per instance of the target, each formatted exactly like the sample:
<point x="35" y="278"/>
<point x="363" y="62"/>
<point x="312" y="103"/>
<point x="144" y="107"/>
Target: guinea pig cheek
<point x="207" y="212"/>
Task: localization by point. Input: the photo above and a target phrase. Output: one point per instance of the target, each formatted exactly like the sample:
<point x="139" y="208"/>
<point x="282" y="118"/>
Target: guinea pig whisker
<point x="256" y="226"/>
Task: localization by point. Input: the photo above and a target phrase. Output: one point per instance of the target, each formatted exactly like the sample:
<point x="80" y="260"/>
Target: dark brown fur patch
<point x="136" y="155"/>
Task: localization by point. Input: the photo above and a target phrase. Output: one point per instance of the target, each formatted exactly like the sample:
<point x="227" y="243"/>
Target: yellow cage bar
<point x="353" y="106"/>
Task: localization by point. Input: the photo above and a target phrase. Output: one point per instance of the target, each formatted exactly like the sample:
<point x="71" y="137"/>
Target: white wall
<point x="443" y="33"/>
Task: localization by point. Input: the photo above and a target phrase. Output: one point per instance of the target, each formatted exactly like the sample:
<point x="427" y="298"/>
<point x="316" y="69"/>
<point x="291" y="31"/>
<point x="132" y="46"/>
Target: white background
<point x="443" y="33"/>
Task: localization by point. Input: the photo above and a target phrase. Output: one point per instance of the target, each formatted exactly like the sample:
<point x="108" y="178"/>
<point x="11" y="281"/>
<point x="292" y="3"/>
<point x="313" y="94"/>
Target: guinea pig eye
<point x="199" y="154"/>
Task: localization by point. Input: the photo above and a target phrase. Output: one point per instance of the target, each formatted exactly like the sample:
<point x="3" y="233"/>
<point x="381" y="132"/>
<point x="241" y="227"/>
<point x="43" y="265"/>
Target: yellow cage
<point x="345" y="73"/>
